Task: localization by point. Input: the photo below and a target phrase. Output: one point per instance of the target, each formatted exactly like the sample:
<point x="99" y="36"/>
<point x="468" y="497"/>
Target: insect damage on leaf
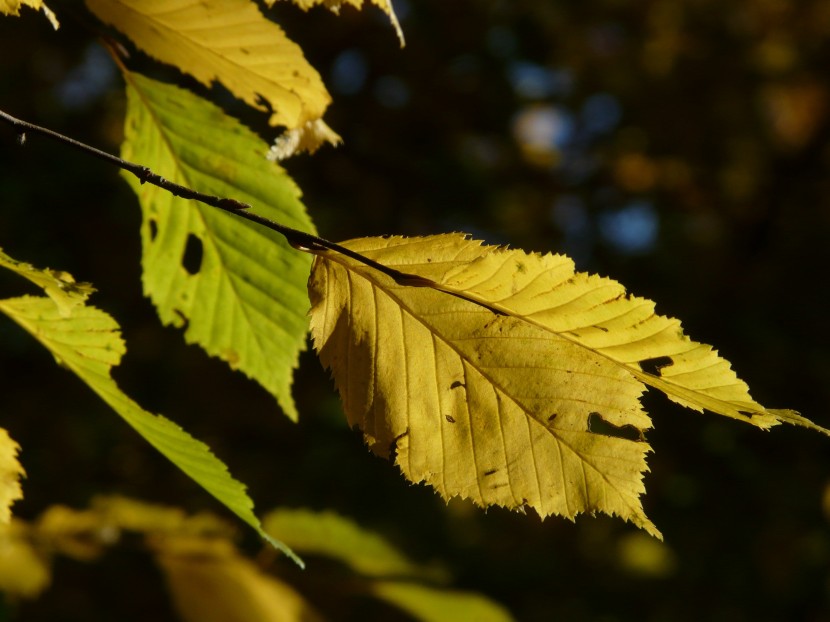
<point x="237" y="287"/>
<point x="553" y="364"/>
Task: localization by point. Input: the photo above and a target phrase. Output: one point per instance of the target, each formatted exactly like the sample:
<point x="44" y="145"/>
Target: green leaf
<point x="339" y="538"/>
<point x="59" y="286"/>
<point x="87" y="342"/>
<point x="430" y="604"/>
<point x="387" y="574"/>
<point x="246" y="302"/>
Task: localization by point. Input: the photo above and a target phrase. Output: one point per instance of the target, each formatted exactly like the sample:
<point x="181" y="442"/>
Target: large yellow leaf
<point x="228" y="41"/>
<point x="519" y="383"/>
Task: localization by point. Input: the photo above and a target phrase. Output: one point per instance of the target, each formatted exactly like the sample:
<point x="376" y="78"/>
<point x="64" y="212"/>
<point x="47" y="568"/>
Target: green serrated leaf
<point x="88" y="343"/>
<point x="246" y="301"/>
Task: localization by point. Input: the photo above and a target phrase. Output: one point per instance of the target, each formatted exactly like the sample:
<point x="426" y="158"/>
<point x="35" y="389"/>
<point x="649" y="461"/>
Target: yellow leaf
<point x="12" y="7"/>
<point x="23" y="572"/>
<point x="83" y="534"/>
<point x="211" y="582"/>
<point x="519" y="388"/>
<point x="10" y="474"/>
<point x="335" y="5"/>
<point x="228" y="41"/>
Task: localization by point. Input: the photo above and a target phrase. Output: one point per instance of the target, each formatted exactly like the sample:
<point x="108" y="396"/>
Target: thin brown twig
<point x="299" y="240"/>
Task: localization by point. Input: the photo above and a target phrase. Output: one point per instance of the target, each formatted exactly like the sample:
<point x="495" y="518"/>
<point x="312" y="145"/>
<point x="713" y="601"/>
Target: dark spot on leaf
<point x="154" y="230"/>
<point x="499" y="485"/>
<point x="393" y="446"/>
<point x="192" y="259"/>
<point x="456" y="384"/>
<point x="598" y="425"/>
<point x="655" y="365"/>
<point x="552" y="417"/>
<point x="182" y="317"/>
<point x="490" y="472"/>
<point x="520" y="267"/>
<point x="449" y="418"/>
<point x="602" y="328"/>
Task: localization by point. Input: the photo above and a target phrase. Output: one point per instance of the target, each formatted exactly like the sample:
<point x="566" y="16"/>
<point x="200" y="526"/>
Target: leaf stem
<point x="299" y="240"/>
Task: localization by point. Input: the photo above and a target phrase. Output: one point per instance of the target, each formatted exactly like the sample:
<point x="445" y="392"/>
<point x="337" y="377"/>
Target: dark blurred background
<point x="679" y="146"/>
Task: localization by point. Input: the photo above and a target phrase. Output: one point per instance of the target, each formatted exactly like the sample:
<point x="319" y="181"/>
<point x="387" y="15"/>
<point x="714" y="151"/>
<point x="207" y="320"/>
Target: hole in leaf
<point x="598" y="425"/>
<point x="655" y="365"/>
<point x="192" y="259"/>
<point x="154" y="230"/>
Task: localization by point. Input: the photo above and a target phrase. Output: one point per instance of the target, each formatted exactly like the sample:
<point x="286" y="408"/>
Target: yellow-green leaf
<point x="59" y="286"/>
<point x="429" y="604"/>
<point x="246" y="302"/>
<point x="12" y="7"/>
<point x="387" y="574"/>
<point x="335" y="6"/>
<point x="88" y="344"/>
<point x="228" y="41"/>
<point x="337" y="537"/>
<point x="519" y="383"/>
<point x="10" y="473"/>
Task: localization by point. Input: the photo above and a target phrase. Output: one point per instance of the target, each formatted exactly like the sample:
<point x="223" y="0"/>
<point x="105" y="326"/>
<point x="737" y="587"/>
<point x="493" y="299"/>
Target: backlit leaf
<point x="59" y="286"/>
<point x="430" y="604"/>
<point x="245" y="301"/>
<point x="87" y="342"/>
<point x="89" y="345"/>
<point x="519" y="383"/>
<point x="228" y="41"/>
<point x="10" y="473"/>
<point x="337" y="537"/>
<point x="12" y="7"/>
<point x="385" y="572"/>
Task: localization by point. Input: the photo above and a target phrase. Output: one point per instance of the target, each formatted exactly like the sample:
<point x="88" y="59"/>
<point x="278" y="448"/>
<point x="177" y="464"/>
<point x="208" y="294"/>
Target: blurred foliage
<point x="678" y="146"/>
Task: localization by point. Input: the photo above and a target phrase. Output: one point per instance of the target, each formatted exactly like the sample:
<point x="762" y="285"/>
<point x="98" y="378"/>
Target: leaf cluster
<point x="489" y="373"/>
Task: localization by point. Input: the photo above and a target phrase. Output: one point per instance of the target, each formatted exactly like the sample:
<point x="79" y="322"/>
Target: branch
<point x="299" y="240"/>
